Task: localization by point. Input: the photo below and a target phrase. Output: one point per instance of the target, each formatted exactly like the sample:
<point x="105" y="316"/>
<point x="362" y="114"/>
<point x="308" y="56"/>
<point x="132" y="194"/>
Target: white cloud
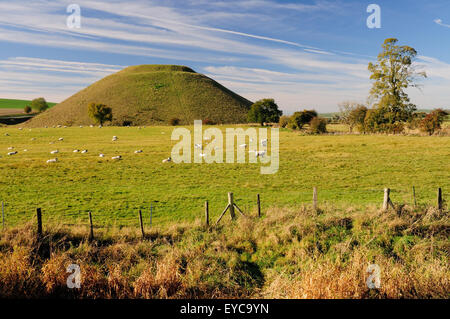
<point x="439" y="22"/>
<point x="316" y="76"/>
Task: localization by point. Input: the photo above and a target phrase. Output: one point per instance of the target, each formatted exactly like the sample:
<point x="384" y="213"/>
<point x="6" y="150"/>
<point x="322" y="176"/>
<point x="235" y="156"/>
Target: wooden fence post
<point x="207" y="214"/>
<point x="258" y="200"/>
<point x="3" y="215"/>
<point x="91" y="226"/>
<point x="231" y="204"/>
<point x="142" y="224"/>
<point x="414" y="196"/>
<point x="386" y="199"/>
<point x="315" y="197"/>
<point x="151" y="213"/>
<point x="439" y="198"/>
<point x="39" y="222"/>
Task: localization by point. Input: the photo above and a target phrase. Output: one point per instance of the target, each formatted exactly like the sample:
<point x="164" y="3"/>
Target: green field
<point x="17" y="104"/>
<point x="348" y="170"/>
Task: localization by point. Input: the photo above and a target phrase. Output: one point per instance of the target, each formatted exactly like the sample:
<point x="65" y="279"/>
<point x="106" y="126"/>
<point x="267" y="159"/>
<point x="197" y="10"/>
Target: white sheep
<point x="101" y="155"/>
<point x="53" y="160"/>
<point x="138" y="151"/>
<point x="54" y="152"/>
<point x="243" y="145"/>
<point x="12" y="153"/>
<point x="167" y="160"/>
<point x="84" y="151"/>
<point x="76" y="151"/>
<point x="60" y="139"/>
<point x="115" y="138"/>
<point x="11" y="147"/>
<point x="118" y="157"/>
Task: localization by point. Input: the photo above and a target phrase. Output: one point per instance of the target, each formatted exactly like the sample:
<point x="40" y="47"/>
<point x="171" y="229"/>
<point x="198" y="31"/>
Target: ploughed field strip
<point x="115" y="177"/>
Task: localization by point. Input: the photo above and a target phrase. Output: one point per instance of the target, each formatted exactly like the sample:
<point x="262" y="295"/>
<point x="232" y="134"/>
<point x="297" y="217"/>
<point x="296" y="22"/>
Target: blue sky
<point x="305" y="54"/>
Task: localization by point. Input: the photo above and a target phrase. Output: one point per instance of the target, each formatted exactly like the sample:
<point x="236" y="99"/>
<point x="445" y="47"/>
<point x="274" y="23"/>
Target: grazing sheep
<point x="54" y="152"/>
<point x="6" y="134"/>
<point x="91" y="125"/>
<point x="84" y="151"/>
<point x="118" y="157"/>
<point x="138" y="151"/>
<point x="25" y="150"/>
<point x="12" y="153"/>
<point x="167" y="160"/>
<point x="20" y="128"/>
<point x="33" y="138"/>
<point x="243" y="145"/>
<point x="11" y="148"/>
<point x="81" y="126"/>
<point x="114" y="138"/>
<point x="60" y="139"/>
<point x="76" y="151"/>
<point x="53" y="160"/>
<point x="101" y="155"/>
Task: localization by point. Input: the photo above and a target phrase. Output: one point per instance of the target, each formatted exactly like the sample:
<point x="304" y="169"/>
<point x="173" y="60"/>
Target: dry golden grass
<point x="289" y="253"/>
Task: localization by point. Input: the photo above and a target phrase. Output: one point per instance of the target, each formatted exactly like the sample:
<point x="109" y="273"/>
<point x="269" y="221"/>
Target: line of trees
<point x="267" y="111"/>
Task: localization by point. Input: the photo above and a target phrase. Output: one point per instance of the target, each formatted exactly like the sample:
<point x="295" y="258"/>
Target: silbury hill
<point x="151" y="95"/>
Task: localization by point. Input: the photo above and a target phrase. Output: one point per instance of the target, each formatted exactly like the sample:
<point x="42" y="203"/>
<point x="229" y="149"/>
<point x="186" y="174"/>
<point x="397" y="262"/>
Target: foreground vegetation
<point x="288" y="253"/>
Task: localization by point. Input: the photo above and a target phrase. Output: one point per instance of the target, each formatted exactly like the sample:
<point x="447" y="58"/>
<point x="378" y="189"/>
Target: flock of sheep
<point x="54" y="160"/>
<point x="119" y="157"/>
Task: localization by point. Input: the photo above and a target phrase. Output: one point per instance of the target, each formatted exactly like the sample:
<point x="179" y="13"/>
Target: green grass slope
<point x="151" y="94"/>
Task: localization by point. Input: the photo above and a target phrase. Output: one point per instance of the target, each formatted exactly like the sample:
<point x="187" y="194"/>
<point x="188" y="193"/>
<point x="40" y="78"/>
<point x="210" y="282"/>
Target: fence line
<point x="232" y="206"/>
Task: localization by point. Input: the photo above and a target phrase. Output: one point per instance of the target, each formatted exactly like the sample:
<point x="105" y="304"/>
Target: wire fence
<point x="156" y="213"/>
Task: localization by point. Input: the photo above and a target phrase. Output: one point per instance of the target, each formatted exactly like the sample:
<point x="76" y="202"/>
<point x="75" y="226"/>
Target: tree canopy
<point x="264" y="111"/>
<point x="39" y="104"/>
<point x="100" y="113"/>
<point x="393" y="73"/>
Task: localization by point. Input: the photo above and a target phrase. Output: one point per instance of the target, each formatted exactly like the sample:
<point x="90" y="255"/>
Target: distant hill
<point x="151" y="94"/>
<point x="17" y="104"/>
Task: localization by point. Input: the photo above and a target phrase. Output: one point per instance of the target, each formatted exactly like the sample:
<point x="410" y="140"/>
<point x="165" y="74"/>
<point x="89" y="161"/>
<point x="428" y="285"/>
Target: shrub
<point x="27" y="109"/>
<point x="174" y="121"/>
<point x="356" y="117"/>
<point x="284" y="121"/>
<point x="318" y="125"/>
<point x="39" y="104"/>
<point x="432" y="121"/>
<point x="100" y="113"/>
<point x="298" y="119"/>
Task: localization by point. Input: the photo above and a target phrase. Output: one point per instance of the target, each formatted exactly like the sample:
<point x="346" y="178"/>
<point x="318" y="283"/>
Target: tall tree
<point x="393" y="73"/>
<point x="100" y="113"/>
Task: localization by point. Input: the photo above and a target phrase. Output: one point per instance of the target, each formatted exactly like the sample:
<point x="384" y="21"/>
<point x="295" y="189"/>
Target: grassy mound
<point x="151" y="94"/>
